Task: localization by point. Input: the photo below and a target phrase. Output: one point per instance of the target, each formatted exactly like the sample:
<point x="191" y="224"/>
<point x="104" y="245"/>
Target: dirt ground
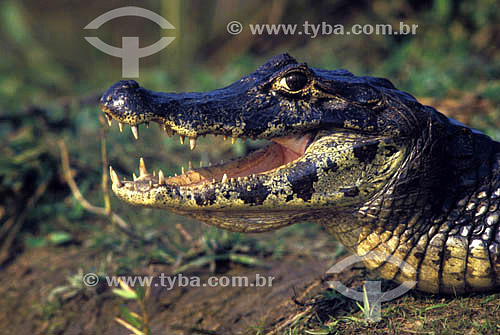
<point x="26" y="284"/>
<point x="298" y="302"/>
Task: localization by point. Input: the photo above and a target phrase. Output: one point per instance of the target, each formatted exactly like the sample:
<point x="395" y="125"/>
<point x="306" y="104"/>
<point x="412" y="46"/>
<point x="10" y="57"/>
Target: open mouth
<point x="280" y="153"/>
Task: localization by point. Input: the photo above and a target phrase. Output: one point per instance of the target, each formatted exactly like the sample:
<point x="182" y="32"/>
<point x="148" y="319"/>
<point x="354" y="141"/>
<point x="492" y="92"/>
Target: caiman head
<point x="336" y="142"/>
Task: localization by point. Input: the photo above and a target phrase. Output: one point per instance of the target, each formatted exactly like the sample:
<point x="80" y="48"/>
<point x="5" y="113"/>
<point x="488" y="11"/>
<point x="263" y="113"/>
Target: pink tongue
<point x="295" y="143"/>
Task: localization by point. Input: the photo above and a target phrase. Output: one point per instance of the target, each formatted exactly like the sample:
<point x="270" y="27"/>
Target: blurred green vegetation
<point x="50" y="79"/>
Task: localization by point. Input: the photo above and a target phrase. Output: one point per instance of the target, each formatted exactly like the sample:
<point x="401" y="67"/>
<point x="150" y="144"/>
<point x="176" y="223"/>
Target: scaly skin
<point x="379" y="170"/>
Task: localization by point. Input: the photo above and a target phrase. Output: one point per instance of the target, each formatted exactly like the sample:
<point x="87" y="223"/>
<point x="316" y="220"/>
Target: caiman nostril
<point x="127" y="84"/>
<point x="118" y="93"/>
<point x="122" y="87"/>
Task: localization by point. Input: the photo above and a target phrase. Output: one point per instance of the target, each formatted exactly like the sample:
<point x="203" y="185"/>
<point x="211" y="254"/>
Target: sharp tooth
<point x="142" y="167"/>
<point x="154" y="173"/>
<point x="110" y="121"/>
<point x="161" y="178"/>
<point x="213" y="180"/>
<point x="134" y="176"/>
<point x="225" y="138"/>
<point x="135" y="131"/>
<point x="183" y="170"/>
<point x="135" y="187"/>
<point x="231" y="180"/>
<point x="233" y="140"/>
<point x="114" y="177"/>
<point x="150" y="184"/>
<point x="190" y="165"/>
<point x="181" y="139"/>
<point x="192" y="143"/>
<point x="120" y="125"/>
<point x="224" y="178"/>
<point x="239" y="178"/>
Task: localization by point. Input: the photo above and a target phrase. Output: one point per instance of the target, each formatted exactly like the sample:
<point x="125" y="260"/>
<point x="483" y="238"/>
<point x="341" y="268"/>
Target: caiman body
<point x="370" y="163"/>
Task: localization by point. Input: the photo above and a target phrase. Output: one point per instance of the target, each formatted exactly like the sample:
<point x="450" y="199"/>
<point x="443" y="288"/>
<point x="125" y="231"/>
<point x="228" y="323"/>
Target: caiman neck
<point x="441" y="216"/>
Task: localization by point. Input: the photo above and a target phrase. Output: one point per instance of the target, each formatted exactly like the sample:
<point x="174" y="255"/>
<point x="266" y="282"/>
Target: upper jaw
<point x="128" y="103"/>
<point x="225" y="112"/>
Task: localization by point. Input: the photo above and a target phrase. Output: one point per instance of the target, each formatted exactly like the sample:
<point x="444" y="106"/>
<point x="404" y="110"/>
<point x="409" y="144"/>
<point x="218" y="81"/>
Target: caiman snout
<point x="119" y="93"/>
<point x="127" y="102"/>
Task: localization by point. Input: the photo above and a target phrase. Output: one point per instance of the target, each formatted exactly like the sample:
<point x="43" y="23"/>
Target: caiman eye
<point x="294" y="81"/>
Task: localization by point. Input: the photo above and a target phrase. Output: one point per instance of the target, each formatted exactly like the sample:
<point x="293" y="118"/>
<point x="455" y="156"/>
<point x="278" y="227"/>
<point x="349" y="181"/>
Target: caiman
<point x="376" y="168"/>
